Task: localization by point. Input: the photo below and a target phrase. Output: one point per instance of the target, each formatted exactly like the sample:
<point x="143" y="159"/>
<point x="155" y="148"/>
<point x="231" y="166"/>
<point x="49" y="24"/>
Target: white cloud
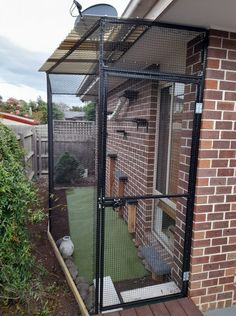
<point x="30" y="31"/>
<point x="20" y="92"/>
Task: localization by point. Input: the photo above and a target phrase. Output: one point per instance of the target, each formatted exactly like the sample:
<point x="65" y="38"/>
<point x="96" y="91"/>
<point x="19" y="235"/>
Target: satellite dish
<point x="98" y="10"/>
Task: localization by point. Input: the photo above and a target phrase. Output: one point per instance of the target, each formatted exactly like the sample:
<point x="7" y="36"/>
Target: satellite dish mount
<point x="77" y="5"/>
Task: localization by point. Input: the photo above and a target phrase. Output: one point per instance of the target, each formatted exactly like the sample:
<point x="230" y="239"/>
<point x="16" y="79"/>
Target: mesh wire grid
<point x="149" y="130"/>
<point x="149" y="135"/>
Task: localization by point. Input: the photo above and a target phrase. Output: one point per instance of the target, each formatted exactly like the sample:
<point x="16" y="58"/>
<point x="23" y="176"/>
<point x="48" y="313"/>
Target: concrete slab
<point x="229" y="311"/>
<point x="149" y="292"/>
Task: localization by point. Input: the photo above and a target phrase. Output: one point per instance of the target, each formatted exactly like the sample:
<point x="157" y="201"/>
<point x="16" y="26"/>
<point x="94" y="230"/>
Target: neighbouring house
<point x="74" y="115"/>
<point x="166" y="155"/>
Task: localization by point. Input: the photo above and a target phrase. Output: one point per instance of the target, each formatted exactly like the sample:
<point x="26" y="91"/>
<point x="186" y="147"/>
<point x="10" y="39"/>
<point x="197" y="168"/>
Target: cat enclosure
<point x="123" y="188"/>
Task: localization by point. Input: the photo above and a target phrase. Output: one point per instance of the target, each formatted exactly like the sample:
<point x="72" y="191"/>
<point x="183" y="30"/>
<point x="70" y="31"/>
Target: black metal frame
<point x="102" y="200"/>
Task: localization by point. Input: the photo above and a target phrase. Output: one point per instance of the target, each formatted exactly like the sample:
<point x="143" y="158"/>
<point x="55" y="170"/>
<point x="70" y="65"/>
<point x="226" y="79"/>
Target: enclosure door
<point x="143" y="128"/>
<point x="167" y="157"/>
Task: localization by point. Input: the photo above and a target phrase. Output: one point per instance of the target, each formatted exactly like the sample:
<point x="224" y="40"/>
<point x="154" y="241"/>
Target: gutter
<point x="148" y="9"/>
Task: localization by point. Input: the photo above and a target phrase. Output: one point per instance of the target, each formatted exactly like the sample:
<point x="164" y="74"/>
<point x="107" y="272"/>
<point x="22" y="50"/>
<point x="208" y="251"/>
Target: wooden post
<point x="121" y="191"/>
<point x="112" y="165"/>
<point x="132" y="208"/>
<point x="39" y="155"/>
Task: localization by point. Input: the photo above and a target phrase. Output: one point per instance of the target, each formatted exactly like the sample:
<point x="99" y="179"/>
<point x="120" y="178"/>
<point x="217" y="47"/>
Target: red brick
<point x="221" y="224"/>
<point x="215" y="41"/>
<point x="213" y="63"/>
<point x="215" y="217"/>
<point x="211" y="115"/>
<point x="210" y="134"/>
<point x="214" y="74"/>
<point x="218" y="181"/>
<point x="200" y="260"/>
<point x="225" y="172"/>
<point x="219" y="241"/>
<point x="213" y="233"/>
<point x="223" y="296"/>
<point x="211" y="84"/>
<point x="230" y="215"/>
<point x="213" y="95"/>
<point x="229" y="44"/>
<point x="198" y="276"/>
<point x="198" y="292"/>
<point x="217" y="53"/>
<point x="221" y="144"/>
<point x="232" y="55"/>
<point x="224" y="190"/>
<point x="218" y="33"/>
<point x="229" y="248"/>
<point x="224" y="125"/>
<point x="207" y="283"/>
<point x="229" y="116"/>
<point x="231" y="96"/>
<point x="228" y="135"/>
<point x="216" y="199"/>
<point x="218" y="258"/>
<point x="204" y="154"/>
<point x="219" y="163"/>
<point x="228" y="106"/>
<point x="216" y="274"/>
<point x="203" y="208"/>
<point x="230" y="75"/>
<point x="226" y="280"/>
<point x="228" y="85"/>
<point x="212" y="250"/>
<point x="215" y="289"/>
<point x="229" y="232"/>
<point x="227" y="154"/>
<point x="222" y="207"/>
<point x="201" y="226"/>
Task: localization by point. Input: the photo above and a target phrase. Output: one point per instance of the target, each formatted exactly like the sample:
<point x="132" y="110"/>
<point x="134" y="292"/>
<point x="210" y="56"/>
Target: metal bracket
<point x="115" y="203"/>
<point x="186" y="276"/>
<point x="198" y="108"/>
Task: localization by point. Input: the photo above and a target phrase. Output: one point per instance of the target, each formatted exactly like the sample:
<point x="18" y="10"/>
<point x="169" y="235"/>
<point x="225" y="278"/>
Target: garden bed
<point x="54" y="297"/>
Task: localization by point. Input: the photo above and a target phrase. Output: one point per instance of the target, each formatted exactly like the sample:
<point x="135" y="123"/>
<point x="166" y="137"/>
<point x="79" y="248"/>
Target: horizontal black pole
<point x="145" y="22"/>
<point x="144" y="197"/>
<point x="144" y="302"/>
<point x="141" y="74"/>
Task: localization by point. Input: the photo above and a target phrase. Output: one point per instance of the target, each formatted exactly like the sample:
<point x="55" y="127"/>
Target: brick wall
<point x="213" y="255"/>
<point x="136" y="151"/>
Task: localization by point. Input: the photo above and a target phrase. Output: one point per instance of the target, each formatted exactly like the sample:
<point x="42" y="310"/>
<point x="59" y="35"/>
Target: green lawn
<point x="121" y="260"/>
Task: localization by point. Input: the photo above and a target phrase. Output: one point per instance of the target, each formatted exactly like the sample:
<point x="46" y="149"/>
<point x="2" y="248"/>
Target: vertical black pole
<point x="103" y="95"/>
<point x="100" y="181"/>
<point x="50" y="148"/>
<point x="193" y="169"/>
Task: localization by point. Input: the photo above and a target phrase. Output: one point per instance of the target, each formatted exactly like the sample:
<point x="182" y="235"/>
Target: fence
<point x="75" y="137"/>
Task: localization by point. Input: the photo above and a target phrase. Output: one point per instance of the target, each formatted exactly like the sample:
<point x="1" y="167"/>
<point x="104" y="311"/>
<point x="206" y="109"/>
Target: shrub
<point x="68" y="169"/>
<point x="16" y="197"/>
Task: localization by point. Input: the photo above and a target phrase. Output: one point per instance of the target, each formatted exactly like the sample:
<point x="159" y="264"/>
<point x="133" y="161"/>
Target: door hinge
<point x="198" y="108"/>
<point x="186" y="276"/>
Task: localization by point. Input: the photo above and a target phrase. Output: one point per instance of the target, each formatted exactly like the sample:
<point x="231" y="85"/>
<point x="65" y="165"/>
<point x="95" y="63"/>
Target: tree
<point x="90" y="111"/>
<point x="77" y="108"/>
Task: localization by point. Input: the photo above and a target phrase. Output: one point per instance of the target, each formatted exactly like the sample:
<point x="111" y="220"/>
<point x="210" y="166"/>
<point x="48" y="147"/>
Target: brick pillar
<point x="213" y="257"/>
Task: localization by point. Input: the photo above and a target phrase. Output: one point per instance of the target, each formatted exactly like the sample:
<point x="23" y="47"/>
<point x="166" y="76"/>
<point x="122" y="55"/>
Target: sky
<point x="30" y="31"/>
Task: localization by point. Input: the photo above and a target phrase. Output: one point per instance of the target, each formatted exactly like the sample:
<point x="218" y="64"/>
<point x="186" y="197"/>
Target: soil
<point x="55" y="291"/>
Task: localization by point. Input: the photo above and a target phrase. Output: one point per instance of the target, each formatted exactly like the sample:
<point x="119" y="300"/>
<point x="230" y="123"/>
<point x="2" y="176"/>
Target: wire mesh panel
<point x="73" y="212"/>
<point x="145" y="78"/>
<point x="149" y="136"/>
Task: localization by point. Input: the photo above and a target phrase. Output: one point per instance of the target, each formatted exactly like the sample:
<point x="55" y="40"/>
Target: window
<point x="167" y="159"/>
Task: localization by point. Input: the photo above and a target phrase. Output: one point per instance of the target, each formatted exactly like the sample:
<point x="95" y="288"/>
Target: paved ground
<point x="230" y="311"/>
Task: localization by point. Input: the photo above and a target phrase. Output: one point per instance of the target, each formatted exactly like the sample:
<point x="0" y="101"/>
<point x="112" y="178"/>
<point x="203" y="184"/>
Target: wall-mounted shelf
<point x="121" y="131"/>
<point x="140" y="123"/>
